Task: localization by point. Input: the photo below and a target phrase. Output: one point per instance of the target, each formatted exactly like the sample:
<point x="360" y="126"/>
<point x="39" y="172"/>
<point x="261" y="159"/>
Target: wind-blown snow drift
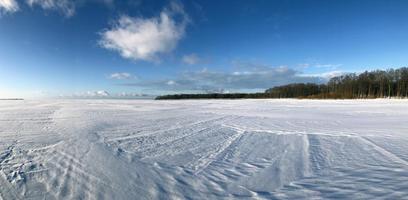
<point x="284" y="149"/>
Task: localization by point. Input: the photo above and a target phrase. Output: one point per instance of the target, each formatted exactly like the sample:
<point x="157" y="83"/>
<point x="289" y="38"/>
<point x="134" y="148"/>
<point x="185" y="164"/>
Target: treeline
<point x="373" y="84"/>
<point x="213" y="96"/>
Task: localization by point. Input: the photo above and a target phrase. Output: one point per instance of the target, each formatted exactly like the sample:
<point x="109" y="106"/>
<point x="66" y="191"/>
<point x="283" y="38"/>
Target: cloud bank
<point x="101" y="94"/>
<point x="260" y="78"/>
<point x="146" y="38"/>
<point x="326" y="75"/>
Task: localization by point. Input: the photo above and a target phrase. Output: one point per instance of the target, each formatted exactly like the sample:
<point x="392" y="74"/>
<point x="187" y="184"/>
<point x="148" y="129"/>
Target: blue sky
<point x="67" y="48"/>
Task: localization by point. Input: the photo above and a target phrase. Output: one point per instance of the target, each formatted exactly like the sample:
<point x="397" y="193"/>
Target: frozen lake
<point x="204" y="149"/>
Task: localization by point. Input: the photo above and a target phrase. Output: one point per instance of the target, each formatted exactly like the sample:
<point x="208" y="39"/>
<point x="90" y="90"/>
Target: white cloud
<point x="331" y="66"/>
<point x="144" y="39"/>
<point x="121" y="76"/>
<point x="325" y="75"/>
<point x="8" y="6"/>
<point x="304" y="65"/>
<point x="130" y="94"/>
<point x="100" y="93"/>
<point x="319" y="65"/>
<point x="254" y="78"/>
<point x="329" y="75"/>
<point x="170" y="82"/>
<point x="191" y="59"/>
<point x="67" y="7"/>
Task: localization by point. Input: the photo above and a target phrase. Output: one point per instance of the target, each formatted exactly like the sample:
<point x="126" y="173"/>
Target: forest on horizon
<point x="369" y="84"/>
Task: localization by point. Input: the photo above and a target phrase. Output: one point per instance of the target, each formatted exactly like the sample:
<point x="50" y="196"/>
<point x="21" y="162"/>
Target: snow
<point x="204" y="149"/>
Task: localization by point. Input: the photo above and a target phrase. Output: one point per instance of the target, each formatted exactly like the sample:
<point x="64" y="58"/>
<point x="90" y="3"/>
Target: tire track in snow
<point x="306" y="156"/>
<point x="315" y="153"/>
<point x="174" y="128"/>
<point x="206" y="161"/>
<point x="384" y="152"/>
<point x="179" y="140"/>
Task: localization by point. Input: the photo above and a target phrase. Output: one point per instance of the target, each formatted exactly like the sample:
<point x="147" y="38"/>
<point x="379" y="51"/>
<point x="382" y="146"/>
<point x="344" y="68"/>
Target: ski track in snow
<point x="204" y="149"/>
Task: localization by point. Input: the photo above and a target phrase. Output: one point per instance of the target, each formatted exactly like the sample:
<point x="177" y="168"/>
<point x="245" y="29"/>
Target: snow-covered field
<point x="205" y="149"/>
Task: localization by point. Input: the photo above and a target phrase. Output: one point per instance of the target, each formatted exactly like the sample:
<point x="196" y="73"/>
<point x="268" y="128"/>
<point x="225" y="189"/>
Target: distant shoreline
<point x="12" y="99"/>
<point x="243" y="96"/>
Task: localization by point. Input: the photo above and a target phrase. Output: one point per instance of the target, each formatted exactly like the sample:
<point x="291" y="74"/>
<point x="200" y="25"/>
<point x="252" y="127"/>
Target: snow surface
<point x="204" y="149"/>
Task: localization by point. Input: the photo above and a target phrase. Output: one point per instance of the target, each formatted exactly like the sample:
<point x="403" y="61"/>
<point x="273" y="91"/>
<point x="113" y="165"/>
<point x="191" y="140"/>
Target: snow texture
<point x="204" y="149"/>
